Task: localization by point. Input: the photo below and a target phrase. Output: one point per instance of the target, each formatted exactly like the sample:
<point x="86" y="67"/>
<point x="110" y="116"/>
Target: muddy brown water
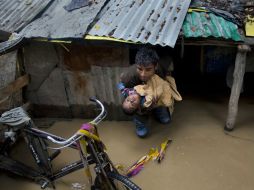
<point x="201" y="156"/>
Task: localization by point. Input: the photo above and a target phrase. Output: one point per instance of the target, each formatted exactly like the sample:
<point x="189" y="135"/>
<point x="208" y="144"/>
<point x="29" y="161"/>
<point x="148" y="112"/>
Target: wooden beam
<point x="249" y="41"/>
<point x="13" y="87"/>
<point x="238" y="75"/>
<point x="210" y="42"/>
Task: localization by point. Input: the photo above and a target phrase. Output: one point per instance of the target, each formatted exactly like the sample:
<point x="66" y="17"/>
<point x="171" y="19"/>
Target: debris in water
<point x="78" y="186"/>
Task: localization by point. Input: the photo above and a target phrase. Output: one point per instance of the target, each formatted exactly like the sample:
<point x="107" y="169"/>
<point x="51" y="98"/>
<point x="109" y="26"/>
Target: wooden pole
<point x="238" y="75"/>
<point x="13" y="87"/>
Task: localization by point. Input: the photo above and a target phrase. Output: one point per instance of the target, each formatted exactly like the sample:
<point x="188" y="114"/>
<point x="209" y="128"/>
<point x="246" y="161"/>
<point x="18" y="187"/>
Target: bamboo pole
<point x="238" y="75"/>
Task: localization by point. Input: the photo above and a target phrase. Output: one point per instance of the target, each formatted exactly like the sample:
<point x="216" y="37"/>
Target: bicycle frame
<point x="97" y="156"/>
<point x="35" y="174"/>
<point x="85" y="140"/>
<point x="65" y="170"/>
<point x="29" y="133"/>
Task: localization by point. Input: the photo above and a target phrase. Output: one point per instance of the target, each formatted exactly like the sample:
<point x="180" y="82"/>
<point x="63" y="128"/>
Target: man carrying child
<point x="148" y="89"/>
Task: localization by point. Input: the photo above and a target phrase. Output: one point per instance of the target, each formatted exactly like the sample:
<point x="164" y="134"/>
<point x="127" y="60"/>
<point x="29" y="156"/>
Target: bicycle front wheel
<point x="118" y="182"/>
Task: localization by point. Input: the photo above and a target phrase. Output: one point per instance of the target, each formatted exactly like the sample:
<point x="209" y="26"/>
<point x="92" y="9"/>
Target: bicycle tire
<point x="116" y="179"/>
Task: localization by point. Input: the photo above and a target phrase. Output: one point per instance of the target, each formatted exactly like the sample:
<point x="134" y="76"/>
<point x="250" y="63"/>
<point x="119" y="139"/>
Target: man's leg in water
<point x="141" y="123"/>
<point x="162" y="114"/>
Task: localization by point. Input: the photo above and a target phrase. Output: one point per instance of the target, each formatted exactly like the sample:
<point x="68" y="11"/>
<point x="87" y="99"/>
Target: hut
<point x="67" y="64"/>
<point x="72" y="51"/>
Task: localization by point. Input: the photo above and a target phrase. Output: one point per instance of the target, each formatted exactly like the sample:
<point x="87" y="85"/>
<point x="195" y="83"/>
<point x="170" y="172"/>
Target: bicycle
<point x="86" y="141"/>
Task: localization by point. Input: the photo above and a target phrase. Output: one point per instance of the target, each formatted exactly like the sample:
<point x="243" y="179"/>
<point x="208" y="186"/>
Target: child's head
<point x="131" y="103"/>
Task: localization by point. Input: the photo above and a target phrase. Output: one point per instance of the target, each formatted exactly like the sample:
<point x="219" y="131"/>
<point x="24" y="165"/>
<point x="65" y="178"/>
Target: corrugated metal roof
<point x="202" y="24"/>
<point x="57" y="23"/>
<point x="145" y="21"/>
<point x="14" y="14"/>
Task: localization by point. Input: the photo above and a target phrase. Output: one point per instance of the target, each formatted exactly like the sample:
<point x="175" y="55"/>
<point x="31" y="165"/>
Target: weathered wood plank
<point x="8" y="70"/>
<point x="13" y="87"/>
<point x="239" y="71"/>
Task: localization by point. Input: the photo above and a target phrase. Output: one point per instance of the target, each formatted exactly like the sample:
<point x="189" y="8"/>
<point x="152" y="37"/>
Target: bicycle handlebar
<point x="102" y="114"/>
<point x="96" y="121"/>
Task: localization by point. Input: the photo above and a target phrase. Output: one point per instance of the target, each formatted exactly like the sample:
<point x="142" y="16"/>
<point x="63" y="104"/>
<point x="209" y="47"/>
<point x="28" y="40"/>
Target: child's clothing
<point x="164" y="91"/>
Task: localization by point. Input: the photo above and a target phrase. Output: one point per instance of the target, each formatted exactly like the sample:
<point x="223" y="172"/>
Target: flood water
<point x="201" y="156"/>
